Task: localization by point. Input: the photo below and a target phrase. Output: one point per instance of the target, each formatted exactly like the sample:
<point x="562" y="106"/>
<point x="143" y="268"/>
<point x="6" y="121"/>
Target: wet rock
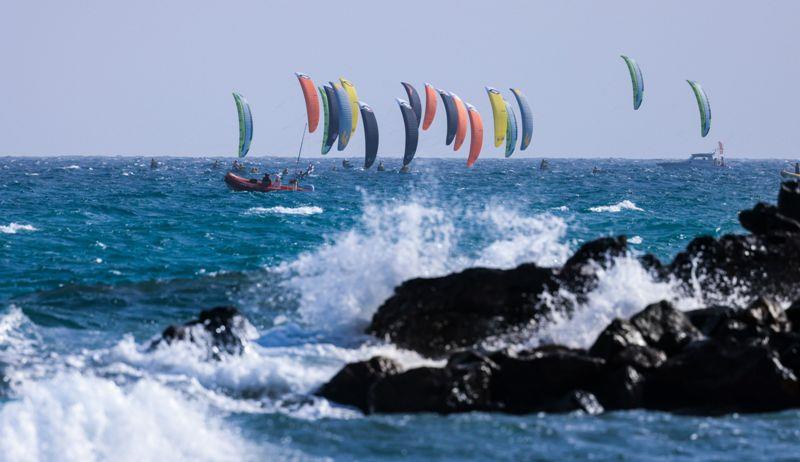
<point x="530" y="382"/>
<point x="643" y="358"/>
<point x="351" y="385"/>
<point x="438" y="315"/>
<point x="793" y="316"/>
<point x="766" y="219"/>
<point x="789" y="200"/>
<point x="579" y="273"/>
<point x="616" y="337"/>
<point x="707" y="320"/>
<point x="577" y="400"/>
<point x="619" y="388"/>
<point x="223" y="330"/>
<point x="462" y="386"/>
<point x="714" y="377"/>
<point x="665" y="328"/>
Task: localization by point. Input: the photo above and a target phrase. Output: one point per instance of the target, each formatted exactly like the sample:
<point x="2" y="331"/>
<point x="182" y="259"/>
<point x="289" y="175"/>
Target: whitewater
<point x="90" y="275"/>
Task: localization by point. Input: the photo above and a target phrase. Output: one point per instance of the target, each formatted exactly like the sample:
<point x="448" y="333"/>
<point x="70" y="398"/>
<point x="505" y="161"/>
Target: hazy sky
<point x="148" y="78"/>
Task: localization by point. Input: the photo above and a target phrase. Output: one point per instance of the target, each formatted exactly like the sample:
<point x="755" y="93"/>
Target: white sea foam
<point x="635" y="240"/>
<point x="341" y="283"/>
<point x="14" y="228"/>
<point x="618" y="207"/>
<point x="281" y="210"/>
<point x="84" y="418"/>
<point x="623" y="290"/>
<point x="71" y="167"/>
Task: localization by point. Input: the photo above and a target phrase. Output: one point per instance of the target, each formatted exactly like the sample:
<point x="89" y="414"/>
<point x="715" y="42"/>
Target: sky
<point x="154" y="78"/>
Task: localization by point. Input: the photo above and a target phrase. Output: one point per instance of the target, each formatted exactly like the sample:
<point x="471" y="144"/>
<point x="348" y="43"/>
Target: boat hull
<point x="238" y="183"/>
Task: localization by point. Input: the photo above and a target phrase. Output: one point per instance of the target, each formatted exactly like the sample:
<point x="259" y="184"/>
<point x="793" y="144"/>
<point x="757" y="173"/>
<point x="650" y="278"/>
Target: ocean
<point x="99" y="254"/>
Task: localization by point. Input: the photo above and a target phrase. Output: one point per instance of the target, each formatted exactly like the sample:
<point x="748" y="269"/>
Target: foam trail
<point x="75" y="418"/>
<point x="280" y="210"/>
<point x="616" y="208"/>
<point x="14" y="228"/>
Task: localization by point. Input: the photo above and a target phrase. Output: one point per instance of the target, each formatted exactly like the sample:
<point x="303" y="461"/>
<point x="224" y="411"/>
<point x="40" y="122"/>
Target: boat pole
<point x="299" y="151"/>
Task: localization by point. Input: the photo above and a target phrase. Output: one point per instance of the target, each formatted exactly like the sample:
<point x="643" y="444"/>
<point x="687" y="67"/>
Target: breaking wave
<point x="14" y="228"/>
<point x="280" y="210"/>
<point x="618" y="207"/>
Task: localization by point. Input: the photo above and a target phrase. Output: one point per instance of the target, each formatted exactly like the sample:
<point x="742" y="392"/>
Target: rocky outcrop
<point x="436" y="316"/>
<point x="717" y="359"/>
<point x="220" y="330"/>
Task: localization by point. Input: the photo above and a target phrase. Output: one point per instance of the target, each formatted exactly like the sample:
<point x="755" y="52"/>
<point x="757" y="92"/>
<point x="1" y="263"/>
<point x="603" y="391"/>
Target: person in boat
<point x="266" y="181"/>
<point x="277" y="181"/>
<point x="381" y="168"/>
<point x="153" y="163"/>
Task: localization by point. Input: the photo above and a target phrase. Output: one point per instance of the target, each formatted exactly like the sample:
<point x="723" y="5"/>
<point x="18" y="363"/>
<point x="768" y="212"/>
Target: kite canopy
<point x="526" y="116"/>
<point x="511" y="130"/>
<point x="476" y="135"/>
<point x="452" y="116"/>
<point x="370" y="135"/>
<point x="703" y="105"/>
<point x="345" y="115"/>
<point x="312" y="103"/>
<point x="500" y="115"/>
<point x="245" y="124"/>
<point x="412" y="131"/>
<point x="430" y="106"/>
<point x="461" y="116"/>
<point x="413" y="100"/>
<point x="331" y="102"/>
<point x="636" y="81"/>
<point x="351" y="94"/>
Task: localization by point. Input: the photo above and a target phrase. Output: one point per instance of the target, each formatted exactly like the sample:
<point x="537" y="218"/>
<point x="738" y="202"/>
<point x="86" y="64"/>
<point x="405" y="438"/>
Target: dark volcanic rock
<point x="765" y="219"/>
<point x="579" y="273"/>
<point x="351" y="385"/>
<point x="530" y="382"/>
<point x="665" y="328"/>
<point x="719" y="377"/>
<point x="461" y="386"/>
<point x="616" y="337"/>
<point x="438" y="315"/>
<point x="221" y="329"/>
<point x="713" y="360"/>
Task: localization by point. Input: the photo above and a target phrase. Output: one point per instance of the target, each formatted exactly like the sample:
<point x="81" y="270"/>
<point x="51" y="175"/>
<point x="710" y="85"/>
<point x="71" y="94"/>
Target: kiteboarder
<point x="544" y="165"/>
<point x="381" y="168"/>
<point x="346" y="163"/>
<point x="153" y="164"/>
<point x="405" y="169"/>
<point x="237" y="166"/>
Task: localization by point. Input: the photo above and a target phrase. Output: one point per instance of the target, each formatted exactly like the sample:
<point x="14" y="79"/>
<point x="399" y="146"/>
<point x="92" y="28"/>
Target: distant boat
<point x="712" y="159"/>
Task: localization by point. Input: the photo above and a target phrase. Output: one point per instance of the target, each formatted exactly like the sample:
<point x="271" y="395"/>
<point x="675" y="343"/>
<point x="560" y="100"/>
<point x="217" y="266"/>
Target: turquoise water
<point x="98" y="255"/>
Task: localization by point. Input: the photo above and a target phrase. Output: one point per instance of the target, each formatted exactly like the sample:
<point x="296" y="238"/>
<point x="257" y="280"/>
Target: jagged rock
<point x="707" y="320"/>
<point x="643" y="358"/>
<point x="223" y="330"/>
<point x="789" y="200"/>
<point x="431" y="389"/>
<point x="793" y="315"/>
<point x="616" y="337"/>
<point x="531" y="381"/>
<point x="766" y="219"/>
<point x="665" y="328"/>
<point x="351" y="385"/>
<point x="438" y="315"/>
<point x="720" y="377"/>
<point x="577" y="400"/>
<point x="619" y="388"/>
<point x="579" y="273"/>
<point x="435" y="316"/>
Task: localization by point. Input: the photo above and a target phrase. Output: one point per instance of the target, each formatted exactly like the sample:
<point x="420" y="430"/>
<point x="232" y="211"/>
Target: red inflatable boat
<point x="238" y="183"/>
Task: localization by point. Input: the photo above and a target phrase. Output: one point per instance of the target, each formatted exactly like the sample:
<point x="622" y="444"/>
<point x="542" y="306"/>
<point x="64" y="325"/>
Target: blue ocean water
<point x="98" y="255"/>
